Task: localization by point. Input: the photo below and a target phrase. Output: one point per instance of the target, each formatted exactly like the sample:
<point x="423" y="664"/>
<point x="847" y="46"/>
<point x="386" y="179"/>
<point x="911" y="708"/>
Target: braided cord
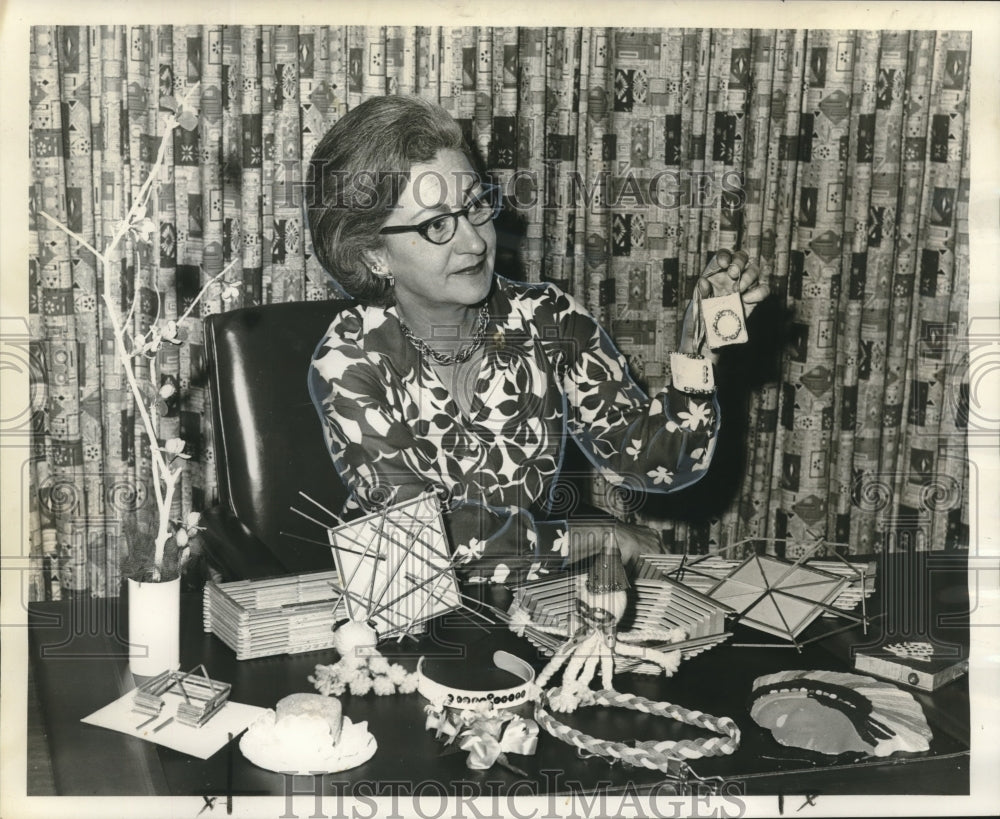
<point x="653" y="755"/>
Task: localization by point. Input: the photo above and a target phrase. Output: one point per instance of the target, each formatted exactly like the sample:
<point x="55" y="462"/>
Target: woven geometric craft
<point x="396" y="567"/>
<point x="777" y="597"/>
<point x="657" y="605"/>
<point x="703" y="572"/>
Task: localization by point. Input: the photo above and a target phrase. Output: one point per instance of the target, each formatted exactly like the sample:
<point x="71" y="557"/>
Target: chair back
<point x="269" y="444"/>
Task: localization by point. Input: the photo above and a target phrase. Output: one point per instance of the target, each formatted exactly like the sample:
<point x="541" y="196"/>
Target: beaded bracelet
<point x="661" y="756"/>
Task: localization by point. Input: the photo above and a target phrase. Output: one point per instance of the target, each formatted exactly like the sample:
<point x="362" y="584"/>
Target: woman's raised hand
<point x="727" y="272"/>
<point x="731" y="272"/>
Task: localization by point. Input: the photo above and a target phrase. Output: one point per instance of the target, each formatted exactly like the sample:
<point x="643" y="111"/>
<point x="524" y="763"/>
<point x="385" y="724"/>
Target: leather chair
<point x="268" y="441"/>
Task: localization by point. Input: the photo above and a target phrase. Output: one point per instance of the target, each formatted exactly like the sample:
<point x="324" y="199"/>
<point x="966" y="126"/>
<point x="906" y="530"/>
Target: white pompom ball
<point x="354" y="640"/>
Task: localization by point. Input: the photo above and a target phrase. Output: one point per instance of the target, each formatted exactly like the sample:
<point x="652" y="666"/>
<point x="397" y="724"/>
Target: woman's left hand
<point x="733" y="272"/>
<point x="727" y="272"/>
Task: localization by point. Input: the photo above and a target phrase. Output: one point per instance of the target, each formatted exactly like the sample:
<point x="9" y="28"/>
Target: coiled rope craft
<point x="652" y="754"/>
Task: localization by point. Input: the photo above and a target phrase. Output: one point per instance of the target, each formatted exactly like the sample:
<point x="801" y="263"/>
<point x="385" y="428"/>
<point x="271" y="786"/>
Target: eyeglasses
<point x="440" y="230"/>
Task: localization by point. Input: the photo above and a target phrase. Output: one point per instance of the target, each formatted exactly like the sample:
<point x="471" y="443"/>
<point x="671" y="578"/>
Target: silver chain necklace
<point x="464" y="353"/>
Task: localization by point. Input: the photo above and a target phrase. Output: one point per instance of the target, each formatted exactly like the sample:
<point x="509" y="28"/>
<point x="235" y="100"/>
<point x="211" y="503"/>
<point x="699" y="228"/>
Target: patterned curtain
<point x="839" y="159"/>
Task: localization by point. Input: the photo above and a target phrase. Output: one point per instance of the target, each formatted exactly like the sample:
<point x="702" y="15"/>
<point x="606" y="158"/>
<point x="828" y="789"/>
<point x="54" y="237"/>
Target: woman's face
<point x="428" y="276"/>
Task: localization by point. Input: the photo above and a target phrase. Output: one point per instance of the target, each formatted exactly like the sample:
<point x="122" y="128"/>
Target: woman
<point x="447" y="377"/>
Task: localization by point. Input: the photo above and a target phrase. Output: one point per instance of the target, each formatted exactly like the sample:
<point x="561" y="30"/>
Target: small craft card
<point x="725" y="320"/>
<point x="165" y="729"/>
<point x="396" y="567"/>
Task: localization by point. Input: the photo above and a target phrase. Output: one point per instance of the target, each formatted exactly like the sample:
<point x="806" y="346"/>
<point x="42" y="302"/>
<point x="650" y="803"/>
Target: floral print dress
<point x="548" y="369"/>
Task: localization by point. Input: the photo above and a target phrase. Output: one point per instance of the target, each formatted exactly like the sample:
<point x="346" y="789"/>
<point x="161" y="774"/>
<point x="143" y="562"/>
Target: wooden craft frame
<point x="396" y="567"/>
<point x="203" y="696"/>
<point x="703" y="572"/>
<point x="775" y="593"/>
<point x="780" y="598"/>
<point x="274" y="615"/>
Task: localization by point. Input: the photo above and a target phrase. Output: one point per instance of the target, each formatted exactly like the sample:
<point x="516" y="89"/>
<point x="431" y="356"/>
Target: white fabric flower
<point x="150" y="342"/>
<point x="360" y="685"/>
<point x="500" y="573"/>
<point x="175" y="447"/>
<point x="230" y="290"/>
<point x="408" y="685"/>
<point x="170" y="331"/>
<point x="142" y="227"/>
<point x="378" y="664"/>
<point x="466" y="553"/>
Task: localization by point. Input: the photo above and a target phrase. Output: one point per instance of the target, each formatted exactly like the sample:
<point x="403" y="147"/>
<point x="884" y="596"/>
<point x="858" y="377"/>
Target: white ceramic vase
<point x="154" y="626"/>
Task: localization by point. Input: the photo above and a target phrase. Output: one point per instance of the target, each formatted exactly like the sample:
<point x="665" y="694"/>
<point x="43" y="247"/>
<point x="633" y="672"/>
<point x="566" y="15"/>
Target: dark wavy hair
<point x="358" y="172"/>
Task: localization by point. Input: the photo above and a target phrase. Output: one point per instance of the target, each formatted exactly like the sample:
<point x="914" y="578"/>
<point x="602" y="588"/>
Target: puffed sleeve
<point x="658" y="444"/>
<point x="386" y="457"/>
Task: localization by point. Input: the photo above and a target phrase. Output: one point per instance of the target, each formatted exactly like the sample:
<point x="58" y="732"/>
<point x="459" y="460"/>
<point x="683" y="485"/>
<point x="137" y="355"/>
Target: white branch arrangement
<point x="130" y="345"/>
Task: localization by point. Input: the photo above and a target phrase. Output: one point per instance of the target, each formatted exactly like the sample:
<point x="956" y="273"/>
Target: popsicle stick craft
<point x="783" y="598"/>
<point x="703" y="572"/>
<point x="275" y="615"/>
<point x="396" y="572"/>
<point x="776" y="597"/>
<point x="395" y="567"/>
<point x="201" y="697"/>
<point x="544" y="612"/>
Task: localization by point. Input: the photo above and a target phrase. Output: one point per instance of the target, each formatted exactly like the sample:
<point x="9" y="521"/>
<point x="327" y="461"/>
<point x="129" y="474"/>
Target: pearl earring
<point x="382" y="273"/>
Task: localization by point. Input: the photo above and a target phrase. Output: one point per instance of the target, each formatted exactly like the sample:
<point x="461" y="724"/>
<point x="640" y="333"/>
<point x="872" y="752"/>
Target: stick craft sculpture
<point x="202" y="697"/>
<point x="396" y="572"/>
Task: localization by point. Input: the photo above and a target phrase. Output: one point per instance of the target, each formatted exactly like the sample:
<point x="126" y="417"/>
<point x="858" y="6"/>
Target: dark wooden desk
<point x="79" y="664"/>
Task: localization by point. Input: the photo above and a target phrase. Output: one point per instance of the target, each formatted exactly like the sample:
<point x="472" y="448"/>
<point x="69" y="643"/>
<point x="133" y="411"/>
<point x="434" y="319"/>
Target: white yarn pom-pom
<point x="382" y="686"/>
<point x="397" y="674"/>
<point x="408" y="685"/>
<point x="354" y="641"/>
<point x="360" y="685"/>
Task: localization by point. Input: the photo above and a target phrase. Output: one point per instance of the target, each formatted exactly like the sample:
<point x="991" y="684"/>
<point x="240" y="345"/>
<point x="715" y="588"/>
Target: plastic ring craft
<point x="661" y="756"/>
